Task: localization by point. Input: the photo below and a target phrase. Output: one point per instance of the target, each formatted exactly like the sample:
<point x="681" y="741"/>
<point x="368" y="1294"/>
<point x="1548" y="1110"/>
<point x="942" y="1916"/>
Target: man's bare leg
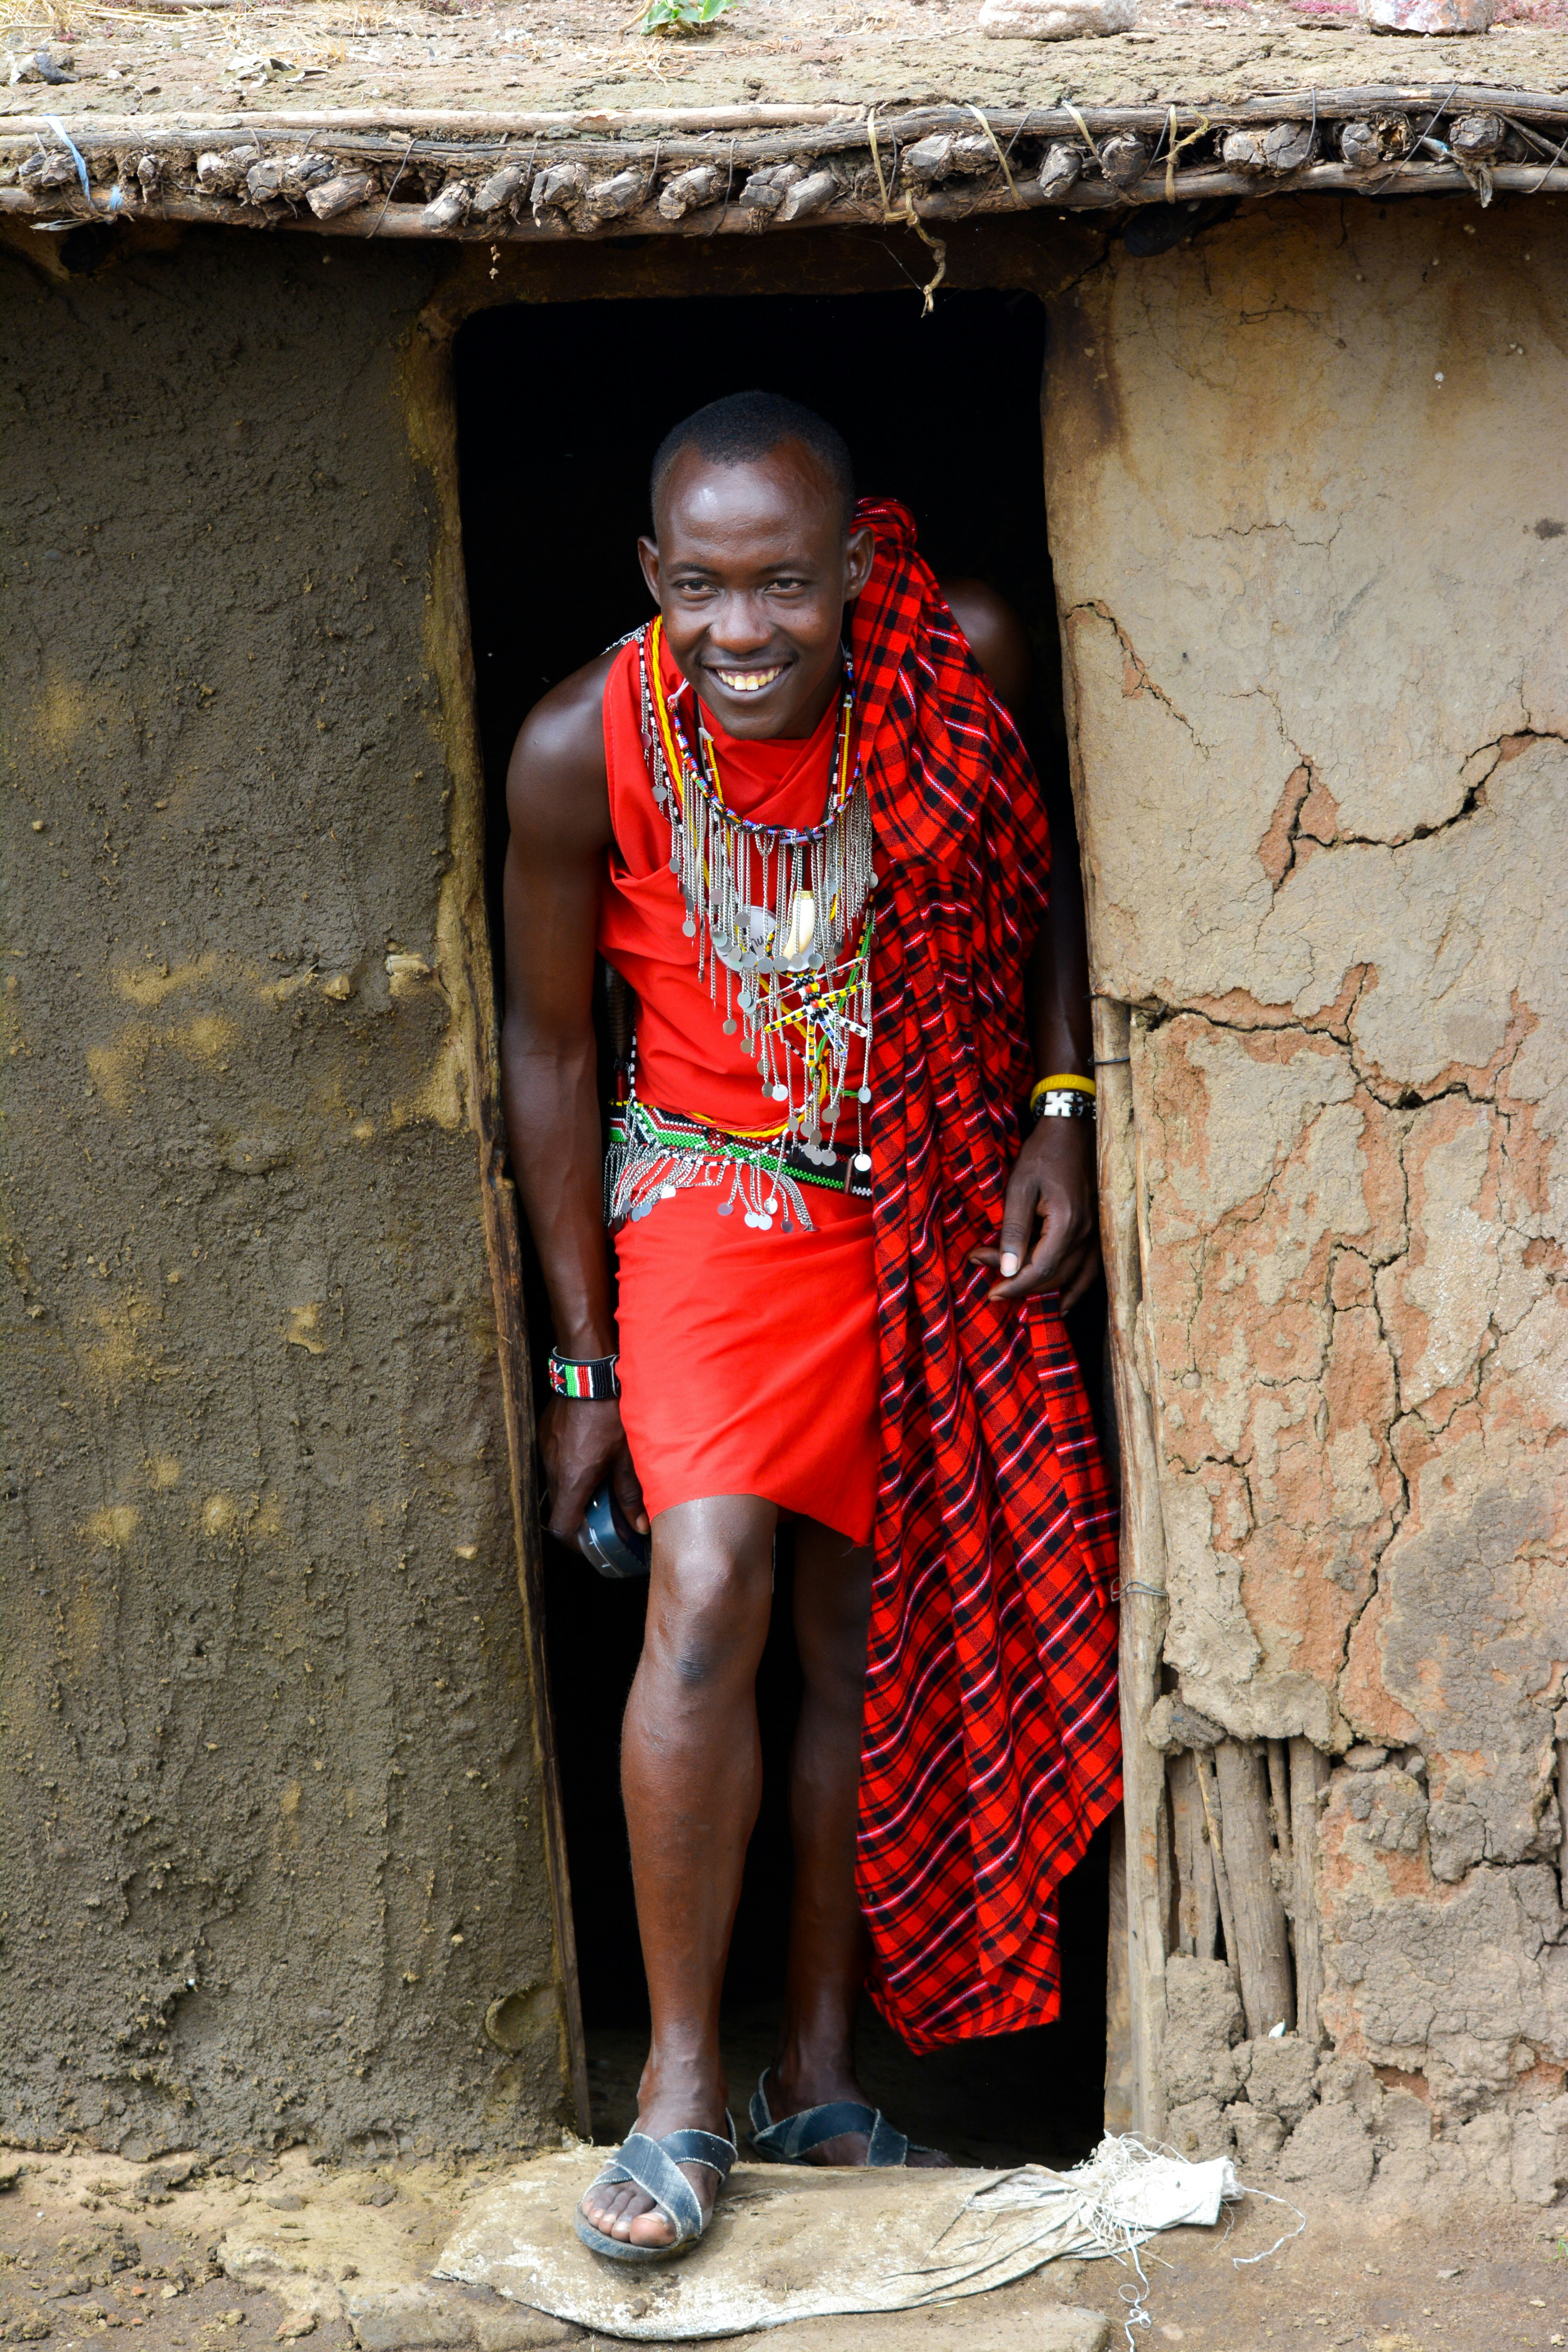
<point x="692" y="1777"/>
<point x="827" y="1946"/>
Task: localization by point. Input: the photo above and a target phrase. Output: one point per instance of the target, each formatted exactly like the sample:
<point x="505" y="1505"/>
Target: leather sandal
<point x="792" y="2139"/>
<point x="653" y="2165"/>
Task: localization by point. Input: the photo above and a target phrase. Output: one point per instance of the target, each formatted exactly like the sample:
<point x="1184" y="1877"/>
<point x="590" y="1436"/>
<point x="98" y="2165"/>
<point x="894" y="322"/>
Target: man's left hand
<point x="1053" y="1183"/>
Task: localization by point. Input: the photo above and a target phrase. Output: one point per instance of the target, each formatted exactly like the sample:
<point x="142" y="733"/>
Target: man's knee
<point x="708" y="1617"/>
<point x="832" y="1615"/>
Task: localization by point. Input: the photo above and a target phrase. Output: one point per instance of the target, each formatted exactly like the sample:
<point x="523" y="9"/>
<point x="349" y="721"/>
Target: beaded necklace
<point x="777" y="908"/>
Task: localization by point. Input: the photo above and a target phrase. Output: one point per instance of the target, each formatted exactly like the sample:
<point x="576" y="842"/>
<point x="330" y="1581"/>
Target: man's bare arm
<point x="1053" y="1179"/>
<point x="558" y="806"/>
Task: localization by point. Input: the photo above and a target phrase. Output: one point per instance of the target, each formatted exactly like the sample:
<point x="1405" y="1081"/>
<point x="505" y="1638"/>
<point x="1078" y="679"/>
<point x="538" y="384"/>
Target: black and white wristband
<point x="590" y="1380"/>
<point x="1062" y="1102"/>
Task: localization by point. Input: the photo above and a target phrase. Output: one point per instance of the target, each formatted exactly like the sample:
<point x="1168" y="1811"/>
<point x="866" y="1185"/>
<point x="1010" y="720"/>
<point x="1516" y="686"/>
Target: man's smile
<point x="746" y="681"/>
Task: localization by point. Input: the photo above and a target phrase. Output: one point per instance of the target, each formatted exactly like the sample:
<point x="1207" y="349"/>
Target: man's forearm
<point x="1049" y="1239"/>
<point x="551" y="1101"/>
<point x="1057" y="978"/>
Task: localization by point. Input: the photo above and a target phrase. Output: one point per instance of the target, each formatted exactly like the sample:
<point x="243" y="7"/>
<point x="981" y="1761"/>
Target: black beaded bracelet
<point x="589" y="1379"/>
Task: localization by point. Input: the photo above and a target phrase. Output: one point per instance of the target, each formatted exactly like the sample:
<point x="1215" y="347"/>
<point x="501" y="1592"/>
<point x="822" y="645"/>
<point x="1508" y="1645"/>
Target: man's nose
<point x="740" y="626"/>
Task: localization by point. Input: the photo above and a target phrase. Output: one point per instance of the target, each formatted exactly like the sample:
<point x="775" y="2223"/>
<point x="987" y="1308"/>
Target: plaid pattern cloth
<point x="990" y="1747"/>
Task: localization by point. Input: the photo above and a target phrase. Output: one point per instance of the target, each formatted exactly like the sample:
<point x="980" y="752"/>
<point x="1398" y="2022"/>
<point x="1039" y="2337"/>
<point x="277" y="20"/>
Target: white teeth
<point x="746" y="681"/>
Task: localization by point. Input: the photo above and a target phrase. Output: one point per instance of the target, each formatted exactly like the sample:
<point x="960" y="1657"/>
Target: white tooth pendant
<point x="801" y="929"/>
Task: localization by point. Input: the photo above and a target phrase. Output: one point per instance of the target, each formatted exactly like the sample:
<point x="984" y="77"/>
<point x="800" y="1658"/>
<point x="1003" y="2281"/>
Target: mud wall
<point x="1307" y="508"/>
<point x="272" y="1825"/>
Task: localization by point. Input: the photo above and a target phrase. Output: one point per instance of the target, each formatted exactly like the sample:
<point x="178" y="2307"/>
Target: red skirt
<point x="749" y="1360"/>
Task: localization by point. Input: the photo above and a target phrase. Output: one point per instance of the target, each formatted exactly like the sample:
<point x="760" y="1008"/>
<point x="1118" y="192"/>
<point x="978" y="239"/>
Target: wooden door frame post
<point x="468" y="971"/>
<point x="1145" y="1899"/>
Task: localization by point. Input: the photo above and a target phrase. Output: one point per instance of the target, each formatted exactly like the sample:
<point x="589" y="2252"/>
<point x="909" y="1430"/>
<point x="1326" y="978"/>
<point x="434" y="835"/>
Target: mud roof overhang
<point x="556" y="173"/>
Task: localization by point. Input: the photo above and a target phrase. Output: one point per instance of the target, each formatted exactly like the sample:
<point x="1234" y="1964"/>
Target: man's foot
<point x="621" y="2209"/>
<point x="787" y="2092"/>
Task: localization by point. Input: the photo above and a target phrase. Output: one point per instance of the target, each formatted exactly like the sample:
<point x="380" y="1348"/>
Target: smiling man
<point x="794" y="814"/>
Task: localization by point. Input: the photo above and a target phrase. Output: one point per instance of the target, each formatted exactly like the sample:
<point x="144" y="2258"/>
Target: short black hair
<point x="746" y="425"/>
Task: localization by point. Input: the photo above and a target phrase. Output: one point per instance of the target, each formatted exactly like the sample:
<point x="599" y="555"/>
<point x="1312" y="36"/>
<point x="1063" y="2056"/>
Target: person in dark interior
<point x="794" y="813"/>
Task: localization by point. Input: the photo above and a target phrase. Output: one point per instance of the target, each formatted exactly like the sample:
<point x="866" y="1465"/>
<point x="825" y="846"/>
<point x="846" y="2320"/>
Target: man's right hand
<point x="582" y="1443"/>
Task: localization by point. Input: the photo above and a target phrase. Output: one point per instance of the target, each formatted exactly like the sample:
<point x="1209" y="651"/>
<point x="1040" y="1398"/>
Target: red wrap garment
<point x="748" y="1359"/>
<point x="990" y="1751"/>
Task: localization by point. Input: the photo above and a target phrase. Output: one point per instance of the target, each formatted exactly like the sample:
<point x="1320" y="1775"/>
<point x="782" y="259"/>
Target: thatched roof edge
<point x="694" y="171"/>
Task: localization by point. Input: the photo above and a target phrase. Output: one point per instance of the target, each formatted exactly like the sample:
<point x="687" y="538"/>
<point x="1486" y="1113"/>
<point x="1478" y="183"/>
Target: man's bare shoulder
<point x="567" y="725"/>
<point x="996" y="636"/>
<point x="556" y="781"/>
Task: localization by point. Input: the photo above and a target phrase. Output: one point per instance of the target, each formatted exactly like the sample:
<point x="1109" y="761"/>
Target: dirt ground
<point x="90" y="2244"/>
<point x="523" y="54"/>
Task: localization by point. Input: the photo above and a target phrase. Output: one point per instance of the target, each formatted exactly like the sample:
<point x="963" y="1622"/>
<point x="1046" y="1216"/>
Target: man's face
<point x="752" y="568"/>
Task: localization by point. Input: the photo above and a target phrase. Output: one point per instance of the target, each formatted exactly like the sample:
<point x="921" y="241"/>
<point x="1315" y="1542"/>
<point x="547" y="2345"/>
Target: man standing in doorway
<point x="794" y="813"/>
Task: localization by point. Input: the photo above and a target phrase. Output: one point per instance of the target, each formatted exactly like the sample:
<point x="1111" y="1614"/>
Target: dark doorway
<point x="560" y="409"/>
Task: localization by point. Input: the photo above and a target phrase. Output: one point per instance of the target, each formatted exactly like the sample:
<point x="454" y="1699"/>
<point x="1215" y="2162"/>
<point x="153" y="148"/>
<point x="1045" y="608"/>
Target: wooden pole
<point x="1279" y="1806"/>
<point x="1147" y="1882"/>
<point x="398" y="222"/>
<point x="459" y="123"/>
<point x="1119" y="2106"/>
<point x="1308" y="1778"/>
<point x="1203" y="1765"/>
<point x="1186" y="1830"/>
<point x="1261" y="1953"/>
<point x="1197" y="1903"/>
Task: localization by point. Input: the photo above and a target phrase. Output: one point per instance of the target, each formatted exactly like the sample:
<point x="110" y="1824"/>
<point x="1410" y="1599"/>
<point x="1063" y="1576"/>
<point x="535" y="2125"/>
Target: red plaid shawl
<point x="991" y="1749"/>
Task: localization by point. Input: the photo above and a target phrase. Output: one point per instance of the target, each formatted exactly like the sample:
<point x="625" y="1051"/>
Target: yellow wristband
<point x="1055" y="1084"/>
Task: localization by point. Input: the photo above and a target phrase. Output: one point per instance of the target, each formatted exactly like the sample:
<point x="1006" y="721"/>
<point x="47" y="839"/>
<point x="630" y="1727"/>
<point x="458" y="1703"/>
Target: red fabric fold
<point x="991" y="1748"/>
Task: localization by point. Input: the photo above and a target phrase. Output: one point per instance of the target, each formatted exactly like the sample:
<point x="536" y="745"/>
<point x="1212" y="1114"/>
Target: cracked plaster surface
<point x="1319" y="715"/>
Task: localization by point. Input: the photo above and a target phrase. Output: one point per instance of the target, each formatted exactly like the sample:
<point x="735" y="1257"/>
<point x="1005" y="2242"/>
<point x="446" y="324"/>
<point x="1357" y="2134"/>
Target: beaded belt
<point x="655" y="1154"/>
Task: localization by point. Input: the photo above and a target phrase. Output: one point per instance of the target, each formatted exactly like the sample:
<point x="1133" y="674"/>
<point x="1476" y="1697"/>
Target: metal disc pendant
<point x="865" y="1094"/>
<point x="862" y="1162"/>
<point x="731" y="1027"/>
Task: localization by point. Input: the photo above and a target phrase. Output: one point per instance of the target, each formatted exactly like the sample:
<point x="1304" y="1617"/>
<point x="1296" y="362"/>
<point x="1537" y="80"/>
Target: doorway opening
<point x="560" y="408"/>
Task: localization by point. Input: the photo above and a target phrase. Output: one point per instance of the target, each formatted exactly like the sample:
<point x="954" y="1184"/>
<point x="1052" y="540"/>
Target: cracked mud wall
<point x="271" y="1832"/>
<point x="1311" y="543"/>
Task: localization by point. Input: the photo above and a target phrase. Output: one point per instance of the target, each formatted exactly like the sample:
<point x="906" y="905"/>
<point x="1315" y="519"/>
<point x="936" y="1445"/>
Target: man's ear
<point x="859" y="554"/>
<point x="647" y="556"/>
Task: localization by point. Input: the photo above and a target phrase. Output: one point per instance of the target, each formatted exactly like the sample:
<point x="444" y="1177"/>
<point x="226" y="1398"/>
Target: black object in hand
<point x="607" y="1538"/>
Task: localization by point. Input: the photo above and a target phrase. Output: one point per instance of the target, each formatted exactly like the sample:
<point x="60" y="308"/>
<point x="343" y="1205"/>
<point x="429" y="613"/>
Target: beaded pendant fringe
<point x="641" y="1169"/>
